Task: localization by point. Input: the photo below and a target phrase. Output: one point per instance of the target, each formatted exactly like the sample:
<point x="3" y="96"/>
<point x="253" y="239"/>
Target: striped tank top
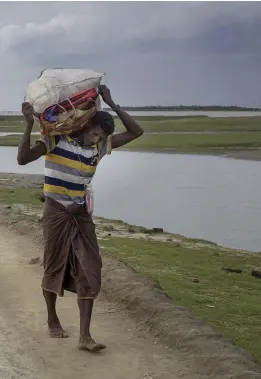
<point x="69" y="167"/>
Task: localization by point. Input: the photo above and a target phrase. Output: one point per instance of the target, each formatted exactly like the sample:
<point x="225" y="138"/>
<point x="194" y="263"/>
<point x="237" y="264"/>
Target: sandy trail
<point x="27" y="352"/>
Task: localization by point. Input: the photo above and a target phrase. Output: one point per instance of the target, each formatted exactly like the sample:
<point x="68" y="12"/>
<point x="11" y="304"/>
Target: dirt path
<point x="131" y="353"/>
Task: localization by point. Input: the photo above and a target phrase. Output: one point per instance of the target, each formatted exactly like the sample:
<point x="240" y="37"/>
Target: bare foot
<point x="56" y="330"/>
<point x="90" y="345"/>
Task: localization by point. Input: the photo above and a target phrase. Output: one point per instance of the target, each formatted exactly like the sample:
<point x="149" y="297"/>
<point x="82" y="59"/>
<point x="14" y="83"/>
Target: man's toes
<point x="91" y="346"/>
<point x="58" y="334"/>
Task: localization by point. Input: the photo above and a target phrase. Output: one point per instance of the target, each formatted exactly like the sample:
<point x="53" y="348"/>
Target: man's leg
<point x="86" y="342"/>
<point x="55" y="328"/>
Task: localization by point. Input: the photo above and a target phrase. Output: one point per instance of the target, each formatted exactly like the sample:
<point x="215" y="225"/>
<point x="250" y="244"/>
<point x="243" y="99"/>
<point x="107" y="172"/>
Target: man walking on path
<point x="71" y="255"/>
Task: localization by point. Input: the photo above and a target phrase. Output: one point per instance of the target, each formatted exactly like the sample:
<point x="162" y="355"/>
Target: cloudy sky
<point x="152" y="52"/>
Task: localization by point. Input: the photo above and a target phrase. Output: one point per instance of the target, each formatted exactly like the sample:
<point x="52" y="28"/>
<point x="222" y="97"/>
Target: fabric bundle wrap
<point x="64" y="100"/>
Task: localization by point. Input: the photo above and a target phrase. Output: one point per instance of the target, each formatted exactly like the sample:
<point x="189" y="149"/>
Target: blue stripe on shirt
<point x="75" y="157"/>
<point x="63" y="183"/>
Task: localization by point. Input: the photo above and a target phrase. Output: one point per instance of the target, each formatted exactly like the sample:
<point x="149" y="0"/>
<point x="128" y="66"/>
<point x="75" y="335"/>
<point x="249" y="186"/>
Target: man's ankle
<point x="53" y="319"/>
<point x="85" y="337"/>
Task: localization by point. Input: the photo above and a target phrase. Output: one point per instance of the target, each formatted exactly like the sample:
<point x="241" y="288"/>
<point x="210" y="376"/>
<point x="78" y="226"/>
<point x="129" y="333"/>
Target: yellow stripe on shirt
<point x="109" y="142"/>
<point x="70" y="163"/>
<point x="63" y="191"/>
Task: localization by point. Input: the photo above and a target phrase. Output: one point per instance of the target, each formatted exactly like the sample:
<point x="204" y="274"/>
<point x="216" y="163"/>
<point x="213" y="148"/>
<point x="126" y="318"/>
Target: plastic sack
<point x="64" y="99"/>
<point x="56" y="85"/>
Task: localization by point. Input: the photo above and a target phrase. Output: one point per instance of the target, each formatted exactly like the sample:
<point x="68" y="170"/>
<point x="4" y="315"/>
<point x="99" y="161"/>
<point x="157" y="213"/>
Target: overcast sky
<point x="152" y="52"/>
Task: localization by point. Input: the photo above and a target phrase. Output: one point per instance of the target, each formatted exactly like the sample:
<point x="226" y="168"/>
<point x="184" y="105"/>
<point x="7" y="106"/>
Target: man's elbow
<point x="139" y="133"/>
<point x="21" y="161"/>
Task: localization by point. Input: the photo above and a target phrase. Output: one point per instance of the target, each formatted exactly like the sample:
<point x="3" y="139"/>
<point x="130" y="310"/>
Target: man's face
<point x="94" y="134"/>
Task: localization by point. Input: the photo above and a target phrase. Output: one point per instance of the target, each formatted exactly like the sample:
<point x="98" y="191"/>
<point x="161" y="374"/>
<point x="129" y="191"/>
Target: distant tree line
<point x="159" y="108"/>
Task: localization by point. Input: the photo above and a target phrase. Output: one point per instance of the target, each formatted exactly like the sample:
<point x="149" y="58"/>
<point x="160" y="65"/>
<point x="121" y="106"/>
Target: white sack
<point x="59" y="84"/>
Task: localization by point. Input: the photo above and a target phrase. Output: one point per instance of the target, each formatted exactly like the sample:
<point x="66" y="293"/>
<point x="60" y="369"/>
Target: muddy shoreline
<point x="247" y="154"/>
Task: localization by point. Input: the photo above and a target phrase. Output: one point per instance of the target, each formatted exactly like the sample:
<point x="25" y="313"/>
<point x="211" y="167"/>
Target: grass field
<point x="202" y="124"/>
<point x="182" y="143"/>
<point x="228" y="134"/>
<point x="14" y="140"/>
<point x="179" y="142"/>
<point x="229" y="302"/>
<point x="190" y="272"/>
<point x="196" y="142"/>
<point x="169" y="124"/>
<point x="20" y="195"/>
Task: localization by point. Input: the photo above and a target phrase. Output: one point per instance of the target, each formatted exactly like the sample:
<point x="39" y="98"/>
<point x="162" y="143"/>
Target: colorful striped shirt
<point x="69" y="167"/>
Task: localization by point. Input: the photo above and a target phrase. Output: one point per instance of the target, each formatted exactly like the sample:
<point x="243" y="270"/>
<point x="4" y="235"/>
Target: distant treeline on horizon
<point x="170" y="108"/>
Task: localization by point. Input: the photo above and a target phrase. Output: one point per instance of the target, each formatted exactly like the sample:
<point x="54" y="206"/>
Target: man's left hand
<point x="106" y="95"/>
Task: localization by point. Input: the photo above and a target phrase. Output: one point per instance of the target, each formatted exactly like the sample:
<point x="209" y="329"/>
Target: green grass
<point x="14" y="126"/>
<point x="197" y="142"/>
<point x="20" y="196"/>
<point x="11" y="118"/>
<point x="169" y="124"/>
<point x="179" y="142"/>
<point x="14" y="140"/>
<point x="242" y="138"/>
<point x="229" y="302"/>
<point x="197" y="124"/>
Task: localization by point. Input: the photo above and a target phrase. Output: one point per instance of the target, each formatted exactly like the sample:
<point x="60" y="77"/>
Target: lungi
<point x="72" y="260"/>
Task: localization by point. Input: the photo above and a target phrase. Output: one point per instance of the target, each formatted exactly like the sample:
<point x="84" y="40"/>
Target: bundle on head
<point x="65" y="99"/>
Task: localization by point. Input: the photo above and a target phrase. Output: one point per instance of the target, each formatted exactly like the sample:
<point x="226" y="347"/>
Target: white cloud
<point x="13" y="35"/>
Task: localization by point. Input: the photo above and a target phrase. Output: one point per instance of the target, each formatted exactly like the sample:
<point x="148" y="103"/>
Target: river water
<point x="214" y="198"/>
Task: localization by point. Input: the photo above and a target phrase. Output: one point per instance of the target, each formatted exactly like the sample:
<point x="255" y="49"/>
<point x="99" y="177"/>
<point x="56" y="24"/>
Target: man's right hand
<point x="26" y="153"/>
<point x="28" y="113"/>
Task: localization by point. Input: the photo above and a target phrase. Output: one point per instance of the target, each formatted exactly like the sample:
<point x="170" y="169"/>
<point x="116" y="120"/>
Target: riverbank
<point x="235" y="145"/>
<point x="193" y="273"/>
<point x="235" y="137"/>
<point x="162" y="124"/>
